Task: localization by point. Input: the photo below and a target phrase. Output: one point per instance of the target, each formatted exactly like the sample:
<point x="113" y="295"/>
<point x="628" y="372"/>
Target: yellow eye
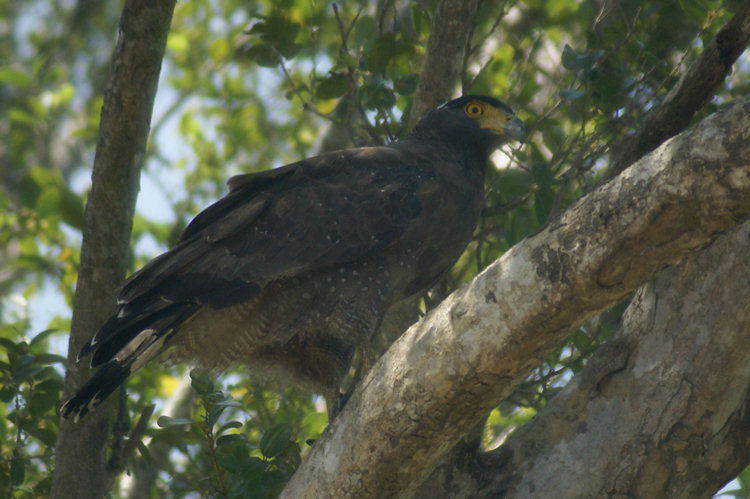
<point x="474" y="109"/>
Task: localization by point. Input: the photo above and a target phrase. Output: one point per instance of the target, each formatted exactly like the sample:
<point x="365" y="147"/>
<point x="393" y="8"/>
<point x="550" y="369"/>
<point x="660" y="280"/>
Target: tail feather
<point x="100" y="386"/>
<point x="122" y="331"/>
<point x="135" y="343"/>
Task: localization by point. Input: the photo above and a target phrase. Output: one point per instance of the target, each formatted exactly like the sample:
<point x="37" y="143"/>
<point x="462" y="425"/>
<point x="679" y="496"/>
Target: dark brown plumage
<point x="294" y="269"/>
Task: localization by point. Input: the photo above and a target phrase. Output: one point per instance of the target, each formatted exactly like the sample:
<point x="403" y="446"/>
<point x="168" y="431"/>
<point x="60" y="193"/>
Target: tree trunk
<point x="660" y="410"/>
<point x="443" y="376"/>
<point x="80" y="466"/>
<point x="664" y="409"/>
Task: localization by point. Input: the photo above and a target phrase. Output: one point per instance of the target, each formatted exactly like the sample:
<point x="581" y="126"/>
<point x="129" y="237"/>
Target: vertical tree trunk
<point x="80" y="467"/>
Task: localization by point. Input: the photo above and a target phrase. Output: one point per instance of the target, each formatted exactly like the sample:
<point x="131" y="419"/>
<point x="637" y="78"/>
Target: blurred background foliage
<point x="249" y="85"/>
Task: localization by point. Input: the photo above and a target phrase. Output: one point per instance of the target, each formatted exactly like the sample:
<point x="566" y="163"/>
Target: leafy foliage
<point x="30" y="391"/>
<point x="228" y="457"/>
<point x="251" y="85"/>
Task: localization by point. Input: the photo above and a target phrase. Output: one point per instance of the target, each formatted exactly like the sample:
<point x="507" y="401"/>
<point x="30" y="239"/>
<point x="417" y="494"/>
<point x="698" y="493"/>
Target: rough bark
<point x="695" y="87"/>
<point x="663" y="409"/>
<point x="444" y="374"/>
<point x="451" y="31"/>
<point x="80" y="465"/>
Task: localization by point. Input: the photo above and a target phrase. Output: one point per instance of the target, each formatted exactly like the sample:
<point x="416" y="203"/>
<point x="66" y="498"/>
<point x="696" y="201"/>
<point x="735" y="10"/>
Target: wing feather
<point x="321" y="212"/>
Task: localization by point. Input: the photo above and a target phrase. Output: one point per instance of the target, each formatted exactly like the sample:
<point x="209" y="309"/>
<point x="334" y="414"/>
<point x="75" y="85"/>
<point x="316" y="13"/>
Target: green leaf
<point x="168" y="422"/>
<point x="570" y="94"/>
<point x="201" y="383"/>
<point x="143" y="449"/>
<point x="553" y="136"/>
<point x="279" y="31"/>
<point x="272" y="482"/>
<point x="364" y="31"/>
<point x="573" y="60"/>
<point x="50" y="358"/>
<point x="569" y="57"/>
<point x="228" y="402"/>
<point x="380" y="54"/>
<point x="25" y="360"/>
<point x="41" y="337"/>
<point x="45" y="435"/>
<point x="20" y="79"/>
<point x="218" y="408"/>
<point x="228" y="439"/>
<point x="695" y="10"/>
<point x="230" y="425"/>
<point x="348" y="60"/>
<point x="29" y="190"/>
<point x="71" y="208"/>
<point x="420" y="19"/>
<point x="17" y="470"/>
<point x="53" y="384"/>
<point x="377" y="95"/>
<point x="581" y="340"/>
<point x="405" y="85"/>
<point x="262" y="55"/>
<point x="177" y="42"/>
<point x="275" y="440"/>
<point x="522" y="224"/>
<point x="251" y="468"/>
<point x="10" y="345"/>
<point x="21" y="117"/>
<point x="333" y="86"/>
<point x="27" y="372"/>
<point x="48" y="204"/>
<point x="6" y="394"/>
<point x="513" y="183"/>
<point x="543" y="200"/>
<point x="543" y="176"/>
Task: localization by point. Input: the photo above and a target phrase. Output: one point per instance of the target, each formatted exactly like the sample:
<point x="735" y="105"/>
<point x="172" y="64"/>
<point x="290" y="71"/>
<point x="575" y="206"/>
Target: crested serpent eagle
<point x="293" y="270"/>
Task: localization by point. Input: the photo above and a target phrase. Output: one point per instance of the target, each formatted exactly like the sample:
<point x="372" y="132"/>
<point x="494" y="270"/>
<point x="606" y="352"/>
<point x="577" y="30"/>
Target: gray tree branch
<point x="445" y="373"/>
<point x="80" y="469"/>
<point x="662" y="409"/>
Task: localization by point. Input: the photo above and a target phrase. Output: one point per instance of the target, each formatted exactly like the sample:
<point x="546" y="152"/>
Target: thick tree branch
<point x="446" y="48"/>
<point x="446" y="372"/>
<point x="126" y="113"/>
<point x="696" y="86"/>
<point x="663" y="409"/>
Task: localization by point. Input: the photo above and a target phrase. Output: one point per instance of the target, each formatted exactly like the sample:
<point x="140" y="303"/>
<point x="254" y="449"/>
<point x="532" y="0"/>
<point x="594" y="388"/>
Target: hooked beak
<point x="503" y="125"/>
<point x="515" y="129"/>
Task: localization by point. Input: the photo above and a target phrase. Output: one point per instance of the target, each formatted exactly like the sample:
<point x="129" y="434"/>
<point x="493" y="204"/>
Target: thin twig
<point x="305" y="104"/>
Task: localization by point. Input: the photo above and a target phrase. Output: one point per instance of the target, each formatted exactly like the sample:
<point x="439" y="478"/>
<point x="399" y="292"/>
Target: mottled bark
<point x="80" y="466"/>
<point x="663" y="409"/>
<point x="660" y="410"/>
<point x="443" y="375"/>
